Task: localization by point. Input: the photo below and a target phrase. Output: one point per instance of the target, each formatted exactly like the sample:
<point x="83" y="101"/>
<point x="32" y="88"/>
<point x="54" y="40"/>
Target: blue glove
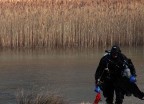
<point x="97" y="89"/>
<point x="132" y="79"/>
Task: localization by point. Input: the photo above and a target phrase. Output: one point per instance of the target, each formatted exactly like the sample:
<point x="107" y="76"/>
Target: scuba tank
<point x="126" y="72"/>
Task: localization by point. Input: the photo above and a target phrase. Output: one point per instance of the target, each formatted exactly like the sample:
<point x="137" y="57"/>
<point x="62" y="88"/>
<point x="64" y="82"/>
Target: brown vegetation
<point x="71" y="23"/>
<point x="24" y="97"/>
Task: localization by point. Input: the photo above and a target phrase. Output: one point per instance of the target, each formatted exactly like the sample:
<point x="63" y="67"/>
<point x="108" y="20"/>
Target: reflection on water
<point x="69" y="72"/>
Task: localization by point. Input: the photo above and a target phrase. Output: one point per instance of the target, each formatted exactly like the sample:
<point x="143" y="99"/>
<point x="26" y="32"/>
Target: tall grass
<point x="71" y="23"/>
<point x="34" y="97"/>
<point x="24" y="97"/>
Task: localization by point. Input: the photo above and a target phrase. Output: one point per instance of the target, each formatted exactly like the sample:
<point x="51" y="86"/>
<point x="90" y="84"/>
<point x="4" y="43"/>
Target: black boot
<point x="119" y="101"/>
<point x="142" y="97"/>
<point x="109" y="103"/>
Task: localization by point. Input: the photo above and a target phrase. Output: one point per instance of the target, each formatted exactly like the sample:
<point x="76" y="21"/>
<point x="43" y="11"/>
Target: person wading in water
<point x="116" y="73"/>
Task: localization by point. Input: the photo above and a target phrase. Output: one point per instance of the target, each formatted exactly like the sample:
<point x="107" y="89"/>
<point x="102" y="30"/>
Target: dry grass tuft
<point x="38" y="98"/>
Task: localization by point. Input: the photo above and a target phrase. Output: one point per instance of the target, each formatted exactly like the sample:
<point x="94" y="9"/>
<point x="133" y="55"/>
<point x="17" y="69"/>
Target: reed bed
<point x="71" y="23"/>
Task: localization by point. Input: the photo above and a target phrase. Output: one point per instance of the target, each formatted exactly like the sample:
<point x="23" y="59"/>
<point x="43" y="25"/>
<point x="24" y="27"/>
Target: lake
<point x="69" y="73"/>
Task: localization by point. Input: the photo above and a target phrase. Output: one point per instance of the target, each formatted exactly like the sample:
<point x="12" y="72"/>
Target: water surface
<point x="70" y="73"/>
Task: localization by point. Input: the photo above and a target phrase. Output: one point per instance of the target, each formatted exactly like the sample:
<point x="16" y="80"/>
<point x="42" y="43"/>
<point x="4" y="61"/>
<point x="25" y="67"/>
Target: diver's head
<point x="115" y="50"/>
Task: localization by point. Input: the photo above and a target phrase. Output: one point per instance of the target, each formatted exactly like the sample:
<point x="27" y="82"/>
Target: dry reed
<point x="71" y="23"/>
<point x="24" y="97"/>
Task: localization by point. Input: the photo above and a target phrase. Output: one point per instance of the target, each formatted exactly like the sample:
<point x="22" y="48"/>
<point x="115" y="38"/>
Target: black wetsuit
<point x="110" y="72"/>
